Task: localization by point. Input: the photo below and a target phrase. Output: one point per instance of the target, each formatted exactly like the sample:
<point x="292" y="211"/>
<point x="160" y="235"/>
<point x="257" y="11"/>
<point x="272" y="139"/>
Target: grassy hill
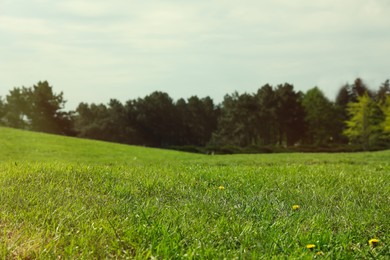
<point x="18" y="145"/>
<point x="75" y="198"/>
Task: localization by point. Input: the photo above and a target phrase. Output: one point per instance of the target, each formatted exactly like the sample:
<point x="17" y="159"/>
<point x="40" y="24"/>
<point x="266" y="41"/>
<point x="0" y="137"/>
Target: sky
<point x="95" y="50"/>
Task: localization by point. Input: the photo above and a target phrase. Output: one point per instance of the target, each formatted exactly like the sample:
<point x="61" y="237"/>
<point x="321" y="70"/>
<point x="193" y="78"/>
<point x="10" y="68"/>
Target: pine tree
<point x="386" y="111"/>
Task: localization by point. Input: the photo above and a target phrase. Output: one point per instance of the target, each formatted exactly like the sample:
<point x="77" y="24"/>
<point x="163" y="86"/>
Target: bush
<point x="254" y="149"/>
<point x="188" y="149"/>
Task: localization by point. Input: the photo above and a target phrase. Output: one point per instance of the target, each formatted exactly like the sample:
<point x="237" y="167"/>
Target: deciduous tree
<point x="365" y="120"/>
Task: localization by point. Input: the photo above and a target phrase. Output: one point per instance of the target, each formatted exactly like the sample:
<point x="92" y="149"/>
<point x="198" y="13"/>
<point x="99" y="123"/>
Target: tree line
<point x="272" y="118"/>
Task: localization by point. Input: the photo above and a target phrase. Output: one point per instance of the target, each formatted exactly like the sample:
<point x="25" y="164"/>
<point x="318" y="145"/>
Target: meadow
<point x="64" y="197"/>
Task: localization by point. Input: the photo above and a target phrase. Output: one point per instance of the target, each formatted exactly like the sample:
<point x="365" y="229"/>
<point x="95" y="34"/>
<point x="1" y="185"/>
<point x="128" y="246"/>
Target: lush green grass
<point x="85" y="199"/>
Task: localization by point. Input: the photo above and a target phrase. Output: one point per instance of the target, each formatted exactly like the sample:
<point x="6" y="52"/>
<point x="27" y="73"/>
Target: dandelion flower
<point x="310" y="246"/>
<point x="373" y="242"/>
<point x="221" y="187"/>
<point x="295" y="207"/>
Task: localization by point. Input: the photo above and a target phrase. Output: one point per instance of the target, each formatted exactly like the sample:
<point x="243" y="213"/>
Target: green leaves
<point x="37" y="108"/>
<point x="320" y="117"/>
<point x="365" y="123"/>
<point x="386" y="111"/>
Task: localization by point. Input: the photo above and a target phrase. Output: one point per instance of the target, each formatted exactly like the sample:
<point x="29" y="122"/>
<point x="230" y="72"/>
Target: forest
<point x="274" y="119"/>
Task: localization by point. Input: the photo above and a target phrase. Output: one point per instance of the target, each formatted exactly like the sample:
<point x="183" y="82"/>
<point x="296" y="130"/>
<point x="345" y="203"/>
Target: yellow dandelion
<point x="221" y="187"/>
<point x="295" y="207"/>
<point x="319" y="253"/>
<point x="373" y="242"/>
<point x="310" y="246"/>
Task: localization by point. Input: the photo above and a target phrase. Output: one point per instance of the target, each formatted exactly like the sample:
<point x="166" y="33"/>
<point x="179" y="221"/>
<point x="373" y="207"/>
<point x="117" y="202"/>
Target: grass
<point x="73" y="198"/>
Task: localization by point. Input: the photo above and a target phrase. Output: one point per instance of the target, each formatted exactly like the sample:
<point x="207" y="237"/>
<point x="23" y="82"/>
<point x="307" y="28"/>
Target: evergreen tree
<point x="17" y="108"/>
<point x="2" y="111"/>
<point x="238" y="123"/>
<point x="267" y="102"/>
<point x="290" y="115"/>
<point x="38" y="109"/>
<point x="91" y="121"/>
<point x="383" y="92"/>
<point x="346" y="95"/>
<point x="155" y="116"/>
<point x="46" y="111"/>
<point x="319" y="117"/>
<point x="200" y="120"/>
<point x="386" y="112"/>
<point x="364" y="124"/>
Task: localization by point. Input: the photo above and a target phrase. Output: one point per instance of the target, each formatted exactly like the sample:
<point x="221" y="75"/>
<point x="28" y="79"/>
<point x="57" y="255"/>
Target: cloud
<point x="190" y="46"/>
<point x="85" y="9"/>
<point x="25" y="26"/>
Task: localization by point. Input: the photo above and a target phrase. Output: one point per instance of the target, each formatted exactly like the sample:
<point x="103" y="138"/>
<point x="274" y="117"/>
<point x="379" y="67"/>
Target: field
<point x="72" y="198"/>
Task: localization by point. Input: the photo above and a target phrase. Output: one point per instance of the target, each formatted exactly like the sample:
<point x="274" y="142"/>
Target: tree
<point x="2" y="110"/>
<point x="268" y="121"/>
<point x="38" y="109"/>
<point x="350" y="93"/>
<point x="268" y="117"/>
<point x="290" y="115"/>
<point x="238" y="122"/>
<point x="134" y="131"/>
<point x="117" y="127"/>
<point x="16" y="108"/>
<point x="359" y="89"/>
<point x="153" y="121"/>
<point x="319" y="117"/>
<point x="183" y="136"/>
<point x="46" y="110"/>
<point x="196" y="120"/>
<point x="103" y="122"/>
<point x="386" y="112"/>
<point x="91" y="121"/>
<point x="365" y="120"/>
<point x="383" y="92"/>
<point x="346" y="95"/>
<point x="156" y="119"/>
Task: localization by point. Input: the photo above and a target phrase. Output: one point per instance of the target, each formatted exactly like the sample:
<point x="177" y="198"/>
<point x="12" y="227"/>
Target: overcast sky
<point x="94" y="50"/>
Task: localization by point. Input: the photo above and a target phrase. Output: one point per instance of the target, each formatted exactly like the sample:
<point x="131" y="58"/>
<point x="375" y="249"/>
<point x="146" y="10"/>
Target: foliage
<point x="347" y="94"/>
<point x="238" y="123"/>
<point x="17" y="108"/>
<point x="103" y="122"/>
<point x="267" y="100"/>
<point x="320" y="117"/>
<point x="350" y="93"/>
<point x="386" y="112"/>
<point x="198" y="118"/>
<point x="365" y="123"/>
<point x="153" y="121"/>
<point x="71" y="198"/>
<point x="2" y="110"/>
<point x="262" y="118"/>
<point x="271" y="119"/>
<point x="290" y="115"/>
<point x="38" y="109"/>
<point x="383" y="93"/>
